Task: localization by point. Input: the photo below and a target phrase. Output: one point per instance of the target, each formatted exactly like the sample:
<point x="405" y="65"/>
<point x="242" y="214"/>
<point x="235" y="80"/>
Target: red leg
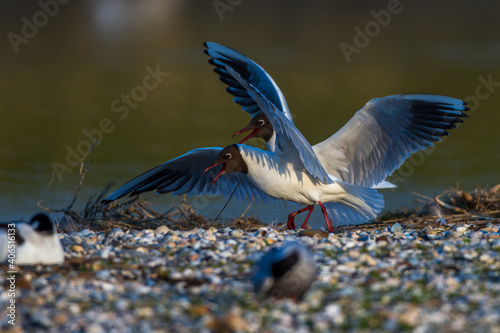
<point x="307" y="217"/>
<point x="290" y="224"/>
<point x="328" y="221"/>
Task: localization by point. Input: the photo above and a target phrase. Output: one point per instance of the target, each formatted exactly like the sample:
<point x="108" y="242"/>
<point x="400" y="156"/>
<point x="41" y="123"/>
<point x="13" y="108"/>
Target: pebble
<point x="116" y="232"/>
<point x="389" y="279"/>
<point x="396" y="227"/>
<point x="85" y="232"/>
<point x="162" y="230"/>
<point x="103" y="275"/>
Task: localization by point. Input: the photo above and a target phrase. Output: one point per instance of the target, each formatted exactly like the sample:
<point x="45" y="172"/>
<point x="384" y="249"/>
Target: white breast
<point x="282" y="179"/>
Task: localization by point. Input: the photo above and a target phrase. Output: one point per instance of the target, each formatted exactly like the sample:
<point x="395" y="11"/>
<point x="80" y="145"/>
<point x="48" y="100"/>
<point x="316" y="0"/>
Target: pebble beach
<point x="392" y="278"/>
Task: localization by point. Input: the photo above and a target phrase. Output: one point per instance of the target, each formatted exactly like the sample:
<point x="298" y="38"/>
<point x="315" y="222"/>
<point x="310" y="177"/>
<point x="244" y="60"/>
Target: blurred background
<point x="67" y="69"/>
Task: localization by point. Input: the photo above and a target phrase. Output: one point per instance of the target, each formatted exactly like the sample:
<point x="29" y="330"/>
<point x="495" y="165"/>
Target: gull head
<point x="260" y="127"/>
<point x="231" y="160"/>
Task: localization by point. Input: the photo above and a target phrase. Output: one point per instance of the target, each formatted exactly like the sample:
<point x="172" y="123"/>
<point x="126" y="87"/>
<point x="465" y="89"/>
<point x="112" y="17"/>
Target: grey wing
<point x="250" y="71"/>
<point x="383" y="134"/>
<point x="185" y="175"/>
<point x="289" y="140"/>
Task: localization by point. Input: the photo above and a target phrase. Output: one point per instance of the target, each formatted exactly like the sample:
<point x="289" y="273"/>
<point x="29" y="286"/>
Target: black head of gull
<point x="42" y="224"/>
<point x="286" y="271"/>
<point x="231" y="160"/>
<point x="260" y="126"/>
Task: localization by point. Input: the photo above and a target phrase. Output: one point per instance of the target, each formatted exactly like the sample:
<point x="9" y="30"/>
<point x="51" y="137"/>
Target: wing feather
<point x="385" y="132"/>
<point x="250" y="71"/>
<point x="184" y="175"/>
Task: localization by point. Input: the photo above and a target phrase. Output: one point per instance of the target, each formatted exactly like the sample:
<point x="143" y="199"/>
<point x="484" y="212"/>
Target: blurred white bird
<point x="29" y="243"/>
<point x="286" y="271"/>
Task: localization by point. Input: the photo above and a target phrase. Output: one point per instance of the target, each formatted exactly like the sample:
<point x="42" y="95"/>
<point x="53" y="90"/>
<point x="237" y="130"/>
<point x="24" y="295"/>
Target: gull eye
<point x="228" y="156"/>
<point x="261" y="122"/>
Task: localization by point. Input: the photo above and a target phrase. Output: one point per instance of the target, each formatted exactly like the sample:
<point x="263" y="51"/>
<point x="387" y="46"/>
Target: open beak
<point x="221" y="172"/>
<point x="246" y="129"/>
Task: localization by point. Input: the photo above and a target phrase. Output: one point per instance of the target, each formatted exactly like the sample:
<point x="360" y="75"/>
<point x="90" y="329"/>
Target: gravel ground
<point x="391" y="279"/>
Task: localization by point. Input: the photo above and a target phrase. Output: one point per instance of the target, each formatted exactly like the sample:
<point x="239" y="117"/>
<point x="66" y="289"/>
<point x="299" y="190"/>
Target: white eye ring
<point x="228" y="156"/>
<point x="261" y="122"/>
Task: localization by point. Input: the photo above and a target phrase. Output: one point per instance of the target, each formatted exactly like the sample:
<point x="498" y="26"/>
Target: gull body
<point x="34" y="242"/>
<point x="280" y="178"/>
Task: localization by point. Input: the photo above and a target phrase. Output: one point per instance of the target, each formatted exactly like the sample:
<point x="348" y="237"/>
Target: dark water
<point x="66" y="80"/>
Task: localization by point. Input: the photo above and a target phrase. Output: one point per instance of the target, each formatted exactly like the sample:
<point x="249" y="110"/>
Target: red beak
<point x="248" y="136"/>
<point x="224" y="166"/>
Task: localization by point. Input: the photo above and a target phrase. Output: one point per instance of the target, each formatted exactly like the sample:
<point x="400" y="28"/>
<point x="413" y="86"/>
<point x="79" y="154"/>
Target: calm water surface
<point x="72" y="76"/>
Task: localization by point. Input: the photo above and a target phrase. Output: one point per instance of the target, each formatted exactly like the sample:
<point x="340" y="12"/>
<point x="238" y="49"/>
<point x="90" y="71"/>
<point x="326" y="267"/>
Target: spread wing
<point x="251" y="72"/>
<point x="184" y="175"/>
<point x="289" y="141"/>
<point x="383" y="134"/>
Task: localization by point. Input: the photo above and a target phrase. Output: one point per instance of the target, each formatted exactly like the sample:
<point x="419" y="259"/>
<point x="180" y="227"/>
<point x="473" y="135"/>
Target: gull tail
<point x="359" y="205"/>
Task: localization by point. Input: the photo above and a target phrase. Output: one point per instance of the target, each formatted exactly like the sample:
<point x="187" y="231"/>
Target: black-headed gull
<point x="29" y="243"/>
<point x="370" y="147"/>
<point x="292" y="171"/>
<point x="285" y="271"/>
<point x="269" y="179"/>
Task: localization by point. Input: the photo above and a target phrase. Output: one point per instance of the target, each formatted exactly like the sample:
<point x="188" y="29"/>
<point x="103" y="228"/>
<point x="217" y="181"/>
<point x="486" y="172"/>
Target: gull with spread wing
<point x="368" y="148"/>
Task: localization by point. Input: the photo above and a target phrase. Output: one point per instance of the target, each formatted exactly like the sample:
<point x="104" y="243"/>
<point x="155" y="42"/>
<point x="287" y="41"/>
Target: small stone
<point x="41" y="319"/>
<point x="141" y="249"/>
<point x="486" y="258"/>
<point x="77" y="248"/>
<point x="103" y="275"/>
<point x="90" y="241"/>
<point x="396" y="228"/>
<point x="193" y="256"/>
<point x="60" y="318"/>
<point x="450" y="248"/>
<point x="162" y="230"/>
<point x="367" y="259"/>
<point x="144" y="312"/>
<point x="76" y="239"/>
<point x="210" y="238"/>
<point x="382" y="240"/>
<point x="235" y="233"/>
<point x="106" y="252"/>
<point x="334" y="312"/>
<point x="86" y="232"/>
<point x="74" y="309"/>
<point x="128" y="274"/>
<point x="313" y="233"/>
<point x="121" y="304"/>
<point x="116" y="232"/>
